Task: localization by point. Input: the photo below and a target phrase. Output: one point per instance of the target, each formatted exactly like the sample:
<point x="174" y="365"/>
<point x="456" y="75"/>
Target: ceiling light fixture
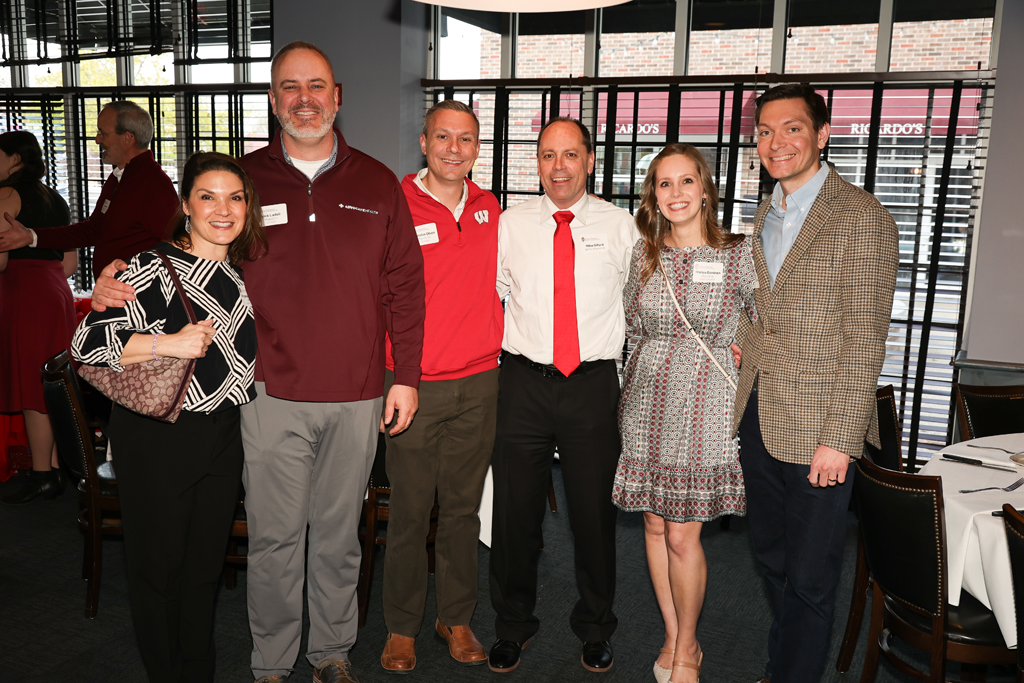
<point x="525" y="5"/>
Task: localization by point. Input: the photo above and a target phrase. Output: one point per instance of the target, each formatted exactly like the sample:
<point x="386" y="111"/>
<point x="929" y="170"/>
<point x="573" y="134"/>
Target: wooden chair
<point x="889" y="456"/>
<point x="903" y="526"/>
<point x="1014" y="522"/>
<point x="989" y="411"/>
<point x="239" y="536"/>
<point x="100" y="508"/>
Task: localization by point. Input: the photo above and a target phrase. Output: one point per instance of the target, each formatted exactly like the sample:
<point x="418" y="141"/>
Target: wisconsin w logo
<point x="481" y="216"/>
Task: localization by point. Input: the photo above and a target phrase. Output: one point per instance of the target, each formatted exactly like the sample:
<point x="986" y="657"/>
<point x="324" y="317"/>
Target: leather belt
<point x="551" y="371"/>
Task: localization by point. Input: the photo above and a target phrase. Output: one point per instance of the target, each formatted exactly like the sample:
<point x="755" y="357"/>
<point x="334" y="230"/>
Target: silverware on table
<point x="1012" y="487"/>
<point x="993" y="448"/>
<point x="964" y="460"/>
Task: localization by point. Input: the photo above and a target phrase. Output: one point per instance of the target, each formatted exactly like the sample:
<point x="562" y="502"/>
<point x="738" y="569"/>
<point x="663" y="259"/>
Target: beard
<point x="307" y="131"/>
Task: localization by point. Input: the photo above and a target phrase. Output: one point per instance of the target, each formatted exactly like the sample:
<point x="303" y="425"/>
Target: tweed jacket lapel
<point x="819" y="213"/>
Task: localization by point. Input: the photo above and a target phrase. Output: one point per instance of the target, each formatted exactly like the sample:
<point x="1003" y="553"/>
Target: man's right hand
<point x="109" y="291"/>
<point x="15" y="237"/>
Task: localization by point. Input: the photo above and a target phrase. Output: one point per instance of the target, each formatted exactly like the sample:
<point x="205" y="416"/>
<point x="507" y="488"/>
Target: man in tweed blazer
<point x="826" y="255"/>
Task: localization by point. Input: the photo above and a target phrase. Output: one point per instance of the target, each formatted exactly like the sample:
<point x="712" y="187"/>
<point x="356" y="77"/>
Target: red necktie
<point x="567" y="338"/>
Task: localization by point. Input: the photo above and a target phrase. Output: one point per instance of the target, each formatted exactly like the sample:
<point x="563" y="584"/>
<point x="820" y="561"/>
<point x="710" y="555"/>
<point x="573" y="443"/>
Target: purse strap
<point x="177" y="285"/>
<point x="689" y="327"/>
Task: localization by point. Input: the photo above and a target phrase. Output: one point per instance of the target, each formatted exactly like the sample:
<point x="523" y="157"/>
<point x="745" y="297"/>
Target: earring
<point x="188" y="224"/>
<point x="703" y="202"/>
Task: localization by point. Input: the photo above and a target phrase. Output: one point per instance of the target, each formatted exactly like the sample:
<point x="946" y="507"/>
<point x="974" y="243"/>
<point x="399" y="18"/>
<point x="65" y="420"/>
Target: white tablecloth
<point x="976" y="550"/>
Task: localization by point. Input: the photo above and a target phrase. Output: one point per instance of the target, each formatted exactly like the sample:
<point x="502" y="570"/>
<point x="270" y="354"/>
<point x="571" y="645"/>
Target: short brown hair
<point x="449" y="105"/>
<point x="299" y="45"/>
<point x="653" y="226"/>
<point x="584" y="131"/>
<point x="251" y="243"/>
<point x="816" y="107"/>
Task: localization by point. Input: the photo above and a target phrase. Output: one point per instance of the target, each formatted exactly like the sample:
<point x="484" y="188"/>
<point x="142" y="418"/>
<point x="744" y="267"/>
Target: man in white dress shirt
<point x="563" y="259"/>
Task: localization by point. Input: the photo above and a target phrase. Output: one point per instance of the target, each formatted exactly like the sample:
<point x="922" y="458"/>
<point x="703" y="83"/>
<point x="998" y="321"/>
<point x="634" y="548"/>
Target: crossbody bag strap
<point x="177" y="285"/>
<point x="689" y="327"/>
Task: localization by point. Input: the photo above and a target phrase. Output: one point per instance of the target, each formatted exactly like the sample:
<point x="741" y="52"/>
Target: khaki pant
<point x="447" y="449"/>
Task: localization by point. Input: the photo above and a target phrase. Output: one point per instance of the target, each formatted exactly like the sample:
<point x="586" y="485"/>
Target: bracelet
<point x="154" y="344"/>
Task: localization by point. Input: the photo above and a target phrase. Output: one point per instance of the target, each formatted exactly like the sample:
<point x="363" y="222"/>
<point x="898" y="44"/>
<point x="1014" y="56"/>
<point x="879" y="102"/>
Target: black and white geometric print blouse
<point x="224" y="376"/>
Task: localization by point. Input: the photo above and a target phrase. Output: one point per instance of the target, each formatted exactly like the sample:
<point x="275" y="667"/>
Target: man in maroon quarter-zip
<point x="447" y="448"/>
<point x="344" y="270"/>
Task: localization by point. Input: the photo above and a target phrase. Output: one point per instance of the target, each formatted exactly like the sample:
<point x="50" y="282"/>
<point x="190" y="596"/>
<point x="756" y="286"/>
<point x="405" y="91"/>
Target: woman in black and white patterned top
<point x="179" y="483"/>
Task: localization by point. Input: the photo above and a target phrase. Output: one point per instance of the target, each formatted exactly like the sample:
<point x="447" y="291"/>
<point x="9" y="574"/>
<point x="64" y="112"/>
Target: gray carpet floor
<point x="44" y="635"/>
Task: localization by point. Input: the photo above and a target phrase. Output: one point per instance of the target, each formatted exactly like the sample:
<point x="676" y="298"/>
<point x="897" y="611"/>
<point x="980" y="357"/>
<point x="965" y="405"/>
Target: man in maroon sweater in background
<point x="344" y="269"/>
<point x="135" y="208"/>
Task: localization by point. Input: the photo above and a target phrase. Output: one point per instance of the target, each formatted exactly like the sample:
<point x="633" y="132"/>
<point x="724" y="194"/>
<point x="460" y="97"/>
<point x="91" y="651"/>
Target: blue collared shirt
<point x="781" y="226"/>
<point x="326" y="165"/>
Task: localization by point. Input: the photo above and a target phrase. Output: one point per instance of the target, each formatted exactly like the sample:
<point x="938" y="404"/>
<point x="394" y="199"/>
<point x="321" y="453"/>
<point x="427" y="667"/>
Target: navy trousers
<point x="799" y="533"/>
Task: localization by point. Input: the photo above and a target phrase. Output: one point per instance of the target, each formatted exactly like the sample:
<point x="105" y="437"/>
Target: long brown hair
<point x="653" y="226"/>
<point x="251" y="243"/>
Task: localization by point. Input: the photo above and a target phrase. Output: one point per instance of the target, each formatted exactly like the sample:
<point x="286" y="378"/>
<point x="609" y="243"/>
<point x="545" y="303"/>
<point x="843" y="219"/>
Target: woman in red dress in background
<point x="37" y="317"/>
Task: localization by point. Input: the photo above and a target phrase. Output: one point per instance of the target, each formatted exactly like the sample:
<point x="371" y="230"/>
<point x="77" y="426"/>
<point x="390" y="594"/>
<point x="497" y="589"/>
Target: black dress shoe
<point x="37" y="485"/>
<point x="597" y="656"/>
<point x="504" y="656"/>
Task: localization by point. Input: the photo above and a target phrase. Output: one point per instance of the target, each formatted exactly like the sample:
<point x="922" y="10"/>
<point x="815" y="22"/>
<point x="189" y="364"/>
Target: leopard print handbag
<point x="155" y="388"/>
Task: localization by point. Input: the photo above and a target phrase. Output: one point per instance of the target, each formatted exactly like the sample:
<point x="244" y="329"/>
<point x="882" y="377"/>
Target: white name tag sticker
<point x="593" y="243"/>
<point x="427" y="234"/>
<point x="106" y="205"/>
<point x="708" y="272"/>
<point x="275" y="214"/>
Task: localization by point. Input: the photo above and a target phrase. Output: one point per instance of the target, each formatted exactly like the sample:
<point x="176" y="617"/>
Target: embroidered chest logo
<point x="481" y="216"/>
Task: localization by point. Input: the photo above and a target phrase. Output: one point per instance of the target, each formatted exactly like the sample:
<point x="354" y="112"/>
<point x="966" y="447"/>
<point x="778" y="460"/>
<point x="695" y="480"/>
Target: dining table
<point x="977" y="556"/>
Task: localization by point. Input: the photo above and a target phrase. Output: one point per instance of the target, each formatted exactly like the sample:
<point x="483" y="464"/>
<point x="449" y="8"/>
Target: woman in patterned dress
<point x="179" y="483"/>
<point x="679" y="462"/>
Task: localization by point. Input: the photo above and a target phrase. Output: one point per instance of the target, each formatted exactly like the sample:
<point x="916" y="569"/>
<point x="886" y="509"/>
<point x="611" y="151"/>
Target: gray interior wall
<point x="994" y="329"/>
<point x="379" y="52"/>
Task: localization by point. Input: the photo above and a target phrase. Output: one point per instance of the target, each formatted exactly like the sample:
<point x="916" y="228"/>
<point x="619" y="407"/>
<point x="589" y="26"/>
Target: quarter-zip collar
<point x="340" y="153"/>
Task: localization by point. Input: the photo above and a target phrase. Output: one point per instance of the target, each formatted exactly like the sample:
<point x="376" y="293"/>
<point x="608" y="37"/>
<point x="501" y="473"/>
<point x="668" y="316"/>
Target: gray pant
<point x="305" y="463"/>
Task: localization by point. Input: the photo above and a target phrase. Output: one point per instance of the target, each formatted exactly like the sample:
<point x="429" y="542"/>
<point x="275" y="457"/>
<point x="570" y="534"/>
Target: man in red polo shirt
<point x="447" y="448"/>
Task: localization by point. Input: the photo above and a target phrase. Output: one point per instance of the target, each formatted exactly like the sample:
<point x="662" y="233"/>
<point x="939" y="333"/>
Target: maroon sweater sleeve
<point x="402" y="292"/>
<point x="82" y="234"/>
<point x="136" y="219"/>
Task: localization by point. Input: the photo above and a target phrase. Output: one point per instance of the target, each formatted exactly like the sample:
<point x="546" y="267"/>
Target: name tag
<point x="593" y="243"/>
<point x="708" y="272"/>
<point x="427" y="234"/>
<point x="275" y="214"/>
<point x="106" y="205"/>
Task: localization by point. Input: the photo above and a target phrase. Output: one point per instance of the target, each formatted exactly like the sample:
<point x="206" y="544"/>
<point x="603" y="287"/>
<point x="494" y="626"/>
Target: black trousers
<point x="799" y="534"/>
<point x="536" y="414"/>
<point x="179" y="485"/>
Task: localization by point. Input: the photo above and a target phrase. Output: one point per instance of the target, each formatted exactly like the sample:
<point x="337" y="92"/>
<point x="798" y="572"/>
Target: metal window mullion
<point x="997" y="26"/>
<point x="735" y="125"/>
<point x="18" y="38"/>
<point x="933" y="264"/>
<point x="500" y="136"/>
<point x="684" y="24"/>
<point x="243" y="40"/>
<point x="780" y="25"/>
<point x="610" y="118"/>
<point x="883" y="48"/>
<point x="69" y="64"/>
<point x="509" y="38"/>
<point x="592" y="43"/>
<point x="124" y="41"/>
<point x="871" y="164"/>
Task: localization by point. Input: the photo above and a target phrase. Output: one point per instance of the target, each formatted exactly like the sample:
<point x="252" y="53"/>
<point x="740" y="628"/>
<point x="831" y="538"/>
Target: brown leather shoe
<point x="399" y="656"/>
<point x="462" y="644"/>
